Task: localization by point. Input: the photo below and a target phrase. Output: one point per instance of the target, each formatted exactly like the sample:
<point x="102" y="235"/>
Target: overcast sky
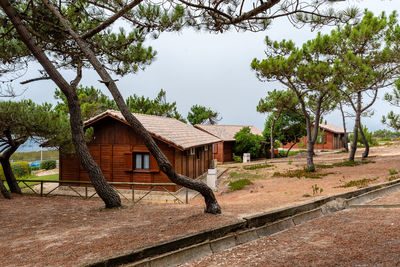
<point x="213" y="70"/>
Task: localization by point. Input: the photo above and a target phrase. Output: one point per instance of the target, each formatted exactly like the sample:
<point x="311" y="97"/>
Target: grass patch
<point x="341" y="151"/>
<point x="244" y="175"/>
<point x="306" y="195"/>
<point x="323" y="166"/>
<point x="255" y="167"/>
<point x="294" y="153"/>
<point x="358" y="183"/>
<point x="351" y="163"/>
<point x="393" y="172"/>
<point x="239" y="184"/>
<point x="301" y="173"/>
<point x="52" y="177"/>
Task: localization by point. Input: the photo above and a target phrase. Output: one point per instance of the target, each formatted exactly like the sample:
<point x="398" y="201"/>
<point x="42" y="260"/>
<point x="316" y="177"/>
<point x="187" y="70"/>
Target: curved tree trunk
<point x="103" y="189"/>
<point x="212" y="205"/>
<point x="287" y="152"/>
<point x="365" y="141"/>
<point x="5" y="163"/>
<point x="10" y="178"/>
<point x="346" y="147"/>
<point x="3" y="191"/>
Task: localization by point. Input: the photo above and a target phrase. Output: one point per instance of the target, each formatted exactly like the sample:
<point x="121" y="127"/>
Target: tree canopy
<point x="202" y="115"/>
<point x="92" y="101"/>
<point x="25" y="119"/>
<point x="247" y="142"/>
<point x="157" y="106"/>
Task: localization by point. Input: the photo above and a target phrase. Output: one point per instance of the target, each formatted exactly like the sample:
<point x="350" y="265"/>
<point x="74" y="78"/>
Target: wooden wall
<point x="113" y="147"/>
<point x="331" y="141"/>
<point x="223" y="151"/>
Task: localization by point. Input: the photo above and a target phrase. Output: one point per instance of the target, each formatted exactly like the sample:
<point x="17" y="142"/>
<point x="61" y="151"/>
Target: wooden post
<point x="187" y="196"/>
<point x="133" y="193"/>
<point x="41" y="188"/>
<point x="86" y="192"/>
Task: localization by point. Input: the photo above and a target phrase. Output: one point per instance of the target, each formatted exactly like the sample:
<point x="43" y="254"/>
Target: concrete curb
<point x="191" y="247"/>
<point x="383" y="206"/>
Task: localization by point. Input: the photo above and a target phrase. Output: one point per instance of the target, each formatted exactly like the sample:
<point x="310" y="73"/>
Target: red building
<point x="223" y="150"/>
<point x="333" y="138"/>
<point x="123" y="157"/>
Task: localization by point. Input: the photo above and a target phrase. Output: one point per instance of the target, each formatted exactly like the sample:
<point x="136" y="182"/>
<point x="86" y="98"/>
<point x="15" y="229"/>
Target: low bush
<point x="239" y="184"/>
<point x="393" y="172"/>
<point x="48" y="164"/>
<point x="19" y="169"/>
<point x="237" y="159"/>
<point x="35" y="168"/>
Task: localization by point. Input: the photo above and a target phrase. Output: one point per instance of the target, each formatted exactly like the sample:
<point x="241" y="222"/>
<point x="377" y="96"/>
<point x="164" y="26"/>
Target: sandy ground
<point x="369" y="237"/>
<point x="67" y="231"/>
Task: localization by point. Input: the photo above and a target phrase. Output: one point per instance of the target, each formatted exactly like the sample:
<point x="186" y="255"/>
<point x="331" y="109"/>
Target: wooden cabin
<point x="333" y="138"/>
<point x="123" y="157"/>
<point x="223" y="150"/>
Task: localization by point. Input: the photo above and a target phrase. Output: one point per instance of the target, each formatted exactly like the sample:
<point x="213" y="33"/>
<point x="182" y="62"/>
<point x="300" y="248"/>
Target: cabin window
<point x="142" y="161"/>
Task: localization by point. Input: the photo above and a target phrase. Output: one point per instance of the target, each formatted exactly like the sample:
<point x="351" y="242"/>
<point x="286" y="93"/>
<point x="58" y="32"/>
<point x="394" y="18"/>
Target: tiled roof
<point x="226" y="132"/>
<point x="332" y="128"/>
<point x="171" y="130"/>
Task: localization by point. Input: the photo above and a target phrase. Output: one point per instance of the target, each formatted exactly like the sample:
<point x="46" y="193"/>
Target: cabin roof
<point x="332" y="128"/>
<point x="226" y="132"/>
<point x="169" y="130"/>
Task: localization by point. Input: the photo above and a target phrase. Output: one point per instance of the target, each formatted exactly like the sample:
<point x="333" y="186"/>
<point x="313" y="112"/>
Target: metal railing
<point x="88" y="195"/>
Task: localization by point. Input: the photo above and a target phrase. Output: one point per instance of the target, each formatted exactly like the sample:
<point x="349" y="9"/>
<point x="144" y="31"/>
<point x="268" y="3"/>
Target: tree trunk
<point x="346" y="147"/>
<point x="356" y="127"/>
<point x="5" y="163"/>
<point x="3" y="190"/>
<point x="287" y="152"/>
<point x="365" y="141"/>
<point x="271" y="136"/>
<point x="10" y="178"/>
<point x="103" y="189"/>
<point x="212" y="205"/>
<point x="310" y="147"/>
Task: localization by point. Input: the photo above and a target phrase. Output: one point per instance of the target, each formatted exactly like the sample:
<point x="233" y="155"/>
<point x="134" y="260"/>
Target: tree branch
<point x="111" y="19"/>
<point x="36" y="79"/>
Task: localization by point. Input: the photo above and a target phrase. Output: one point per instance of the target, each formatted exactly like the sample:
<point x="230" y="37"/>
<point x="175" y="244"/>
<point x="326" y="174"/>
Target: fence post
<point x="187" y="196"/>
<point x="133" y="193"/>
<point x="41" y="188"/>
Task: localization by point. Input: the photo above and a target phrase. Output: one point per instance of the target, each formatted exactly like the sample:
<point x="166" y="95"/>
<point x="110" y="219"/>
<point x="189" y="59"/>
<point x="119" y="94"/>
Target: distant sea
<point x="30" y="146"/>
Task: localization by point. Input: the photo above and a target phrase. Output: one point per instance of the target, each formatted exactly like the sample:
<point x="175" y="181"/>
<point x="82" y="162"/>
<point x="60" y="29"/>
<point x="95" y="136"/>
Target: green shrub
<point x="236" y="158"/>
<point x="35" y="168"/>
<point x="247" y="142"/>
<point x="19" y="169"/>
<point x="392" y="172"/>
<point x="239" y="184"/>
<point x="48" y="164"/>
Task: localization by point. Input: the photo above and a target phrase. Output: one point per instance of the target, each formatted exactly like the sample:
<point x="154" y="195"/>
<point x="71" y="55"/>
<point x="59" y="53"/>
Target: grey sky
<point x="213" y="70"/>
